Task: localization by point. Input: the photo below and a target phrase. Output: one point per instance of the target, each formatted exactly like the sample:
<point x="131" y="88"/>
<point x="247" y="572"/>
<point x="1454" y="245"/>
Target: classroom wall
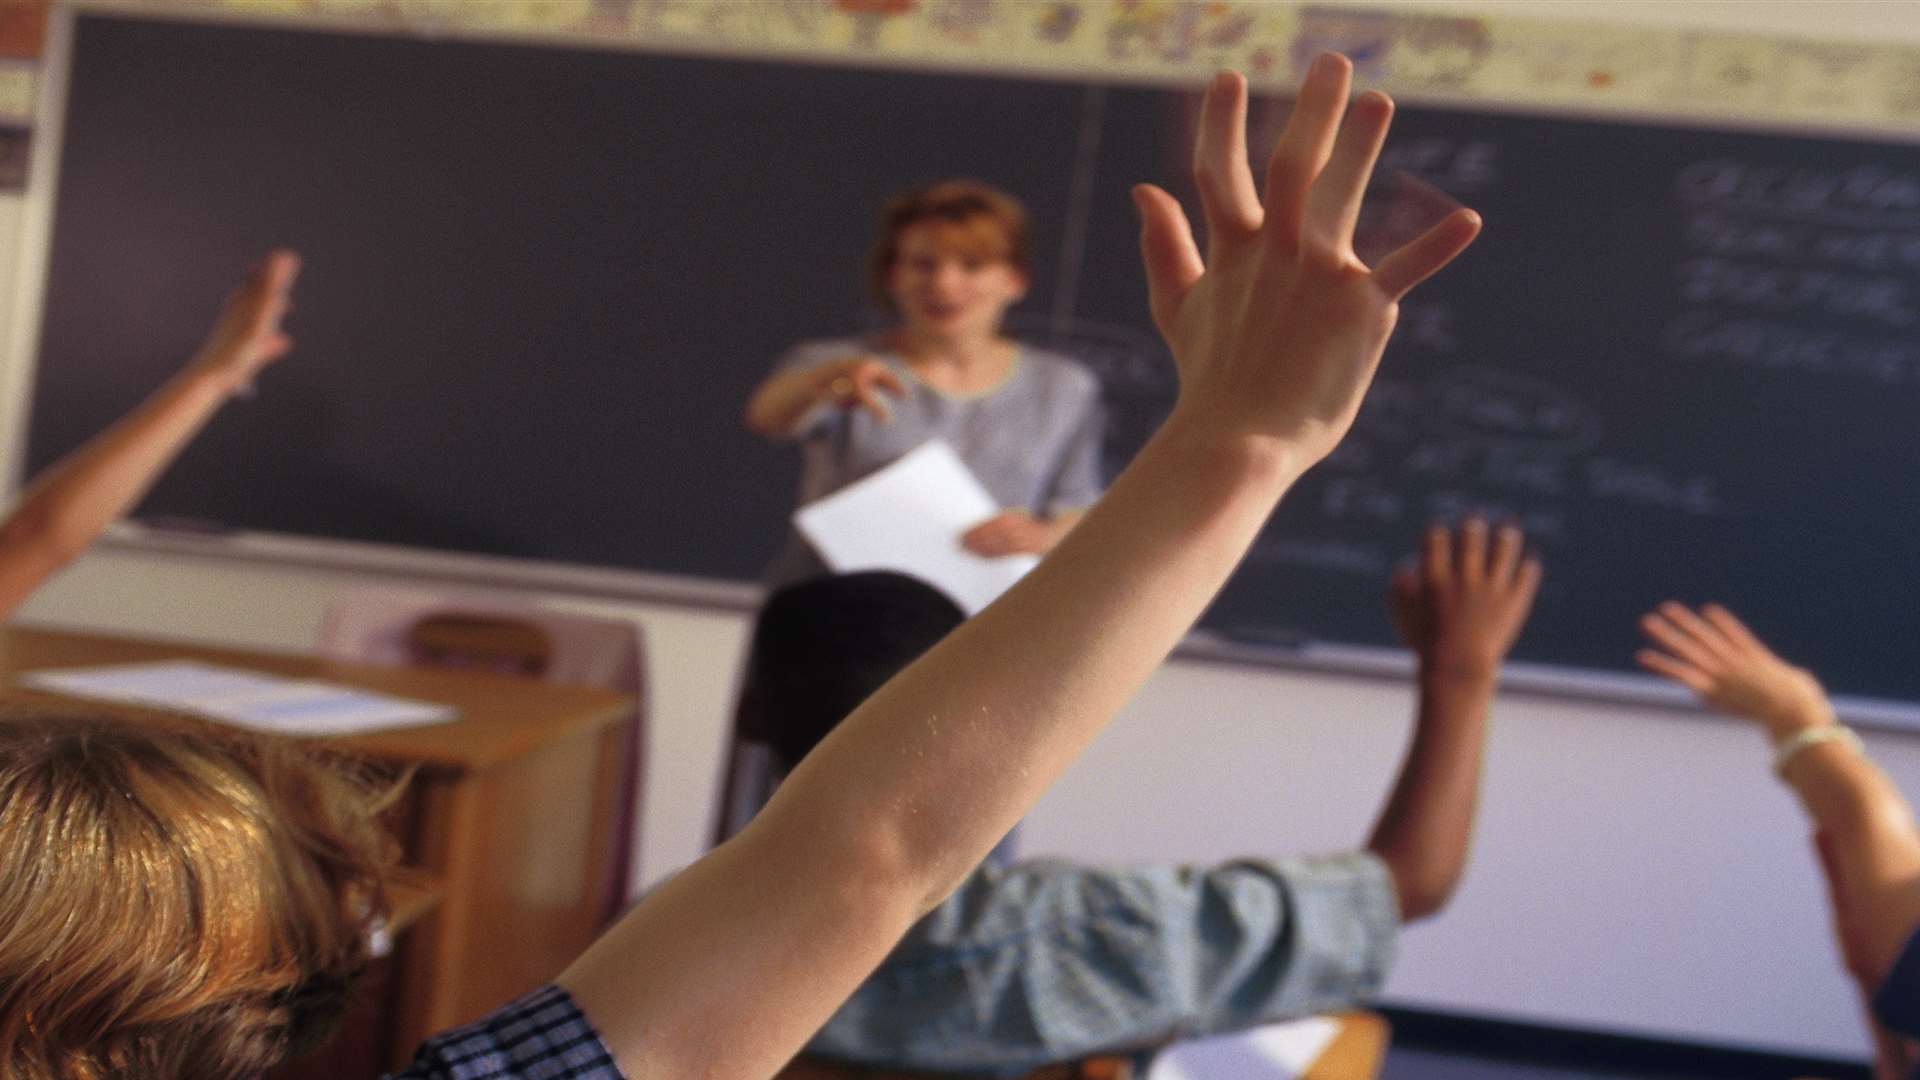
<point x="1636" y="870"/>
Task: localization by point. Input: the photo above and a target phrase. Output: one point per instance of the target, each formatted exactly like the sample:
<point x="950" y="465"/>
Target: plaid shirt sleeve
<point x="543" y="1036"/>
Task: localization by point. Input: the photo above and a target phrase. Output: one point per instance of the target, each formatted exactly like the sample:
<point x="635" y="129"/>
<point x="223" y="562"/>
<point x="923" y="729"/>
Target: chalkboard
<point x="542" y="282"/>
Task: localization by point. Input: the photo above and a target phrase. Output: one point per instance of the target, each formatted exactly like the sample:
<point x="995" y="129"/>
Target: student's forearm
<point x="1064" y="648"/>
<point x="726" y="971"/>
<point x="784" y="398"/>
<point x="68" y="504"/>
<point x="1873" y="847"/>
<point x="1864" y="829"/>
<point x="1844" y="792"/>
<point x="1424" y="829"/>
<point x="890" y="812"/>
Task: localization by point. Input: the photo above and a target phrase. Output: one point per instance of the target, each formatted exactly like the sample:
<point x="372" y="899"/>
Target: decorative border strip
<point x="1498" y="61"/>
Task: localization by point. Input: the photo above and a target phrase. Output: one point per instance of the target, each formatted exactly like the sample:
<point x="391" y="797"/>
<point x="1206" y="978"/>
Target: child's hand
<point x="248" y="336"/>
<point x="1464" y="604"/>
<point x="1278" y="331"/>
<point x="1717" y="657"/>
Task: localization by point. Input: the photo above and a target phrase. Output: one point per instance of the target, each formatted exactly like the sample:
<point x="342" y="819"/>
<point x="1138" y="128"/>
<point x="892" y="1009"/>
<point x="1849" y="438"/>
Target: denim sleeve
<point x="1897" y="1002"/>
<point x="1050" y="961"/>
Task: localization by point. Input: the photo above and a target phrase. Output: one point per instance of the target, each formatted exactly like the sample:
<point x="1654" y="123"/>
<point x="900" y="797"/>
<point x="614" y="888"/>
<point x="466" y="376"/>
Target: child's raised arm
<point x="726" y="970"/>
<point x="1460" y="608"/>
<point x="67" y="505"/>
<point x="1868" y="844"/>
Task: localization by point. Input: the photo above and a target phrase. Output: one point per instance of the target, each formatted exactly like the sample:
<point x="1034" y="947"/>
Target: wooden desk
<point x="508" y="818"/>
<point x="1357" y="1052"/>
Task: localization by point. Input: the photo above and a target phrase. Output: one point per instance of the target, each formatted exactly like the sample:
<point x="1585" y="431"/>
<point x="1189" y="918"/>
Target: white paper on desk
<point x="1273" y="1052"/>
<point x="244" y="698"/>
<point x="908" y="517"/>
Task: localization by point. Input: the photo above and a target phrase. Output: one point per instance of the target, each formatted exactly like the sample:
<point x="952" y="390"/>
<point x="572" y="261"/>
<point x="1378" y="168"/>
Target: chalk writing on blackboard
<point x="1781" y="346"/>
<point x="1799" y="270"/>
<point x="1883" y="298"/>
<point x="1864" y="195"/>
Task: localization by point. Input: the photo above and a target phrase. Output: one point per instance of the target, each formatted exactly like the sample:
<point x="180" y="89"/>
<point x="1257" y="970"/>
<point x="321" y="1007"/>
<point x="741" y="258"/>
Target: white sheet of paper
<point x="908" y="517"/>
<point x="1273" y="1052"/>
<point x="243" y="698"/>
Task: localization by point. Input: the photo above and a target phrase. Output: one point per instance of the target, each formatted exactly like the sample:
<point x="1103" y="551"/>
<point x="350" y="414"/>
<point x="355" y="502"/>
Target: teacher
<point x="950" y="259"/>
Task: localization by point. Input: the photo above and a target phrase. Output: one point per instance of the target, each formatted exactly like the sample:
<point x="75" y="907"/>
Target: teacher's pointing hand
<point x="861" y="382"/>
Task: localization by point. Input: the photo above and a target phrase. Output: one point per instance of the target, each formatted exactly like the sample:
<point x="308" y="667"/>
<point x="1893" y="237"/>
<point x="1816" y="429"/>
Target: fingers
<point x="979" y="539"/>
<point x="269" y="287"/>
<point x="1677" y="641"/>
<point x="1472" y="556"/>
<point x="1697" y="628"/>
<point x="1333" y="202"/>
<point x="1220" y="161"/>
<point x="999" y="524"/>
<point x="1527" y="584"/>
<point x="873" y="402"/>
<point x="1422" y="257"/>
<point x="1306" y="143"/>
<point x="1508" y="542"/>
<point x="980" y="545"/>
<point x="247" y="333"/>
<point x="1436" y="555"/>
<point x="882" y="377"/>
<point x="1683" y="673"/>
<point x="1167" y="250"/>
<point x="281" y="269"/>
<point x="1005" y="533"/>
<point x="274" y="348"/>
<point x="1473" y="595"/>
<point x="861" y="387"/>
<point x="1471" y="565"/>
<point x="1732" y="628"/>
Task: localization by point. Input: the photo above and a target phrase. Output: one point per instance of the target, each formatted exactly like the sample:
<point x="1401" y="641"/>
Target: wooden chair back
<point x="481" y="642"/>
<point x="507" y="635"/>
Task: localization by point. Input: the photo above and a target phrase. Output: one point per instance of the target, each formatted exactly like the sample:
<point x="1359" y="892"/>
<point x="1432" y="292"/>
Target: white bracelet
<point x="1788" y="748"/>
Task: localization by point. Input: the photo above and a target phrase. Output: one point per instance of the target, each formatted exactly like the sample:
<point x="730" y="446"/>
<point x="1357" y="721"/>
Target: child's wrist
<point x="213" y="375"/>
<point x="1459" y="672"/>
<point x="1249" y="455"/>
<point x="1459" y="658"/>
<point x="1792" y="720"/>
<point x="1792" y="746"/>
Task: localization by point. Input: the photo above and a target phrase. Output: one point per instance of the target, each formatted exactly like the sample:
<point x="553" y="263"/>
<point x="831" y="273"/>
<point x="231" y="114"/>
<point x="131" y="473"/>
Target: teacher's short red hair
<point x="982" y="221"/>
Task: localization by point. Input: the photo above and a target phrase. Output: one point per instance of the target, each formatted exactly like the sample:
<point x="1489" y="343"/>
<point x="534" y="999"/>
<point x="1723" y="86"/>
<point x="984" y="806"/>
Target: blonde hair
<point x="177" y="900"/>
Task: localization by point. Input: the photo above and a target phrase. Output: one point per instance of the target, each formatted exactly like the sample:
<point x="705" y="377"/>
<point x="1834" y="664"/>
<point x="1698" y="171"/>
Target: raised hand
<point x="1463" y="605"/>
<point x="1276" y="339"/>
<point x="1278" y="331"/>
<point x="1713" y="654"/>
<point x="861" y="382"/>
<point x="248" y="336"/>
